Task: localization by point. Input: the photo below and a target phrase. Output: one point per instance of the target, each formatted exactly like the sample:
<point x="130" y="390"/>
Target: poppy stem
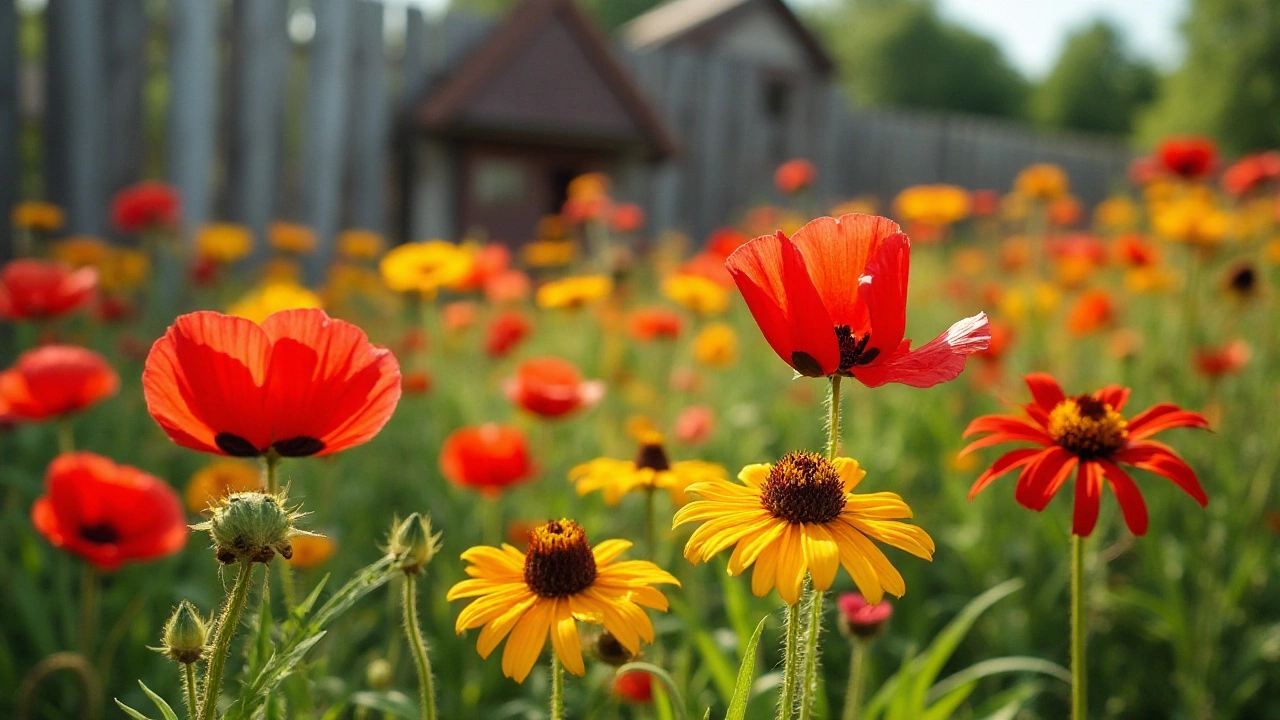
<point x="189" y="679"/>
<point x="833" y="421"/>
<point x="1079" y="702"/>
<point x="790" y="662"/>
<point x="90" y="601"/>
<point x="273" y="464"/>
<point x="557" y="688"/>
<point x="809" y="681"/>
<point x="853" y="691"/>
<point x="66" y="438"/>
<point x="228" y="623"/>
<point x="413" y="632"/>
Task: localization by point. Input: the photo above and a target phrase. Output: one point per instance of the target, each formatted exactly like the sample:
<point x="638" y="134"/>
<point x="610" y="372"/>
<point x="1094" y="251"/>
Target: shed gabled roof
<point x="545" y="70"/>
<point x="681" y="20"/>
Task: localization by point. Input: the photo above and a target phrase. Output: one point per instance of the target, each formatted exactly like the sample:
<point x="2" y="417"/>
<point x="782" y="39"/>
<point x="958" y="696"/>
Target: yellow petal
<point x="606" y="551"/>
<point x="527" y="640"/>
<point x="754" y="475"/>
<point x="821" y="554"/>
<point x="791" y="566"/>
<point x="564" y="638"/>
<point x="766" y="569"/>
<point x="851" y="473"/>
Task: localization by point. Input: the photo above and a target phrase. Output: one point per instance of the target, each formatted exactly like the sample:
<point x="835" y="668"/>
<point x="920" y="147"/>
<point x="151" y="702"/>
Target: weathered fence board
<point x="10" y="125"/>
<point x="125" y="72"/>
<point x="193" y="109"/>
<point x="75" y="145"/>
<point x="330" y="55"/>
<point x="370" y="122"/>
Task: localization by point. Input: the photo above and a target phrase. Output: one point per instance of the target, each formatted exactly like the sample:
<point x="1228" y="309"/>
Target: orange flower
<point x="311" y="550"/>
<point x="1092" y="312"/>
<point x="635" y="687"/>
<point x="507" y="330"/>
<point x="299" y="384"/>
<point x="1133" y="250"/>
<point x="998" y="346"/>
<point x="459" y="315"/>
<point x="416" y="383"/>
<point x="626" y="218"/>
<point x="56" y="380"/>
<point x="488" y="458"/>
<point x="508" y="286"/>
<point x="648" y="324"/>
<point x="695" y="424"/>
<point x="1065" y="212"/>
<point x="1217" y="362"/>
<point x="486" y="262"/>
<point x="793" y="176"/>
<point x="38" y="290"/>
<point x="1042" y="181"/>
<point x="552" y="388"/>
<point x="725" y="240"/>
<point x="1252" y="173"/>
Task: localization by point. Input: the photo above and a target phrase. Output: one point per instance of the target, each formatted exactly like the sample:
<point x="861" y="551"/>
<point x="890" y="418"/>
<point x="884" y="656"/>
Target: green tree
<point x="903" y="53"/>
<point x="1229" y="84"/>
<point x="611" y="14"/>
<point x="1096" y="85"/>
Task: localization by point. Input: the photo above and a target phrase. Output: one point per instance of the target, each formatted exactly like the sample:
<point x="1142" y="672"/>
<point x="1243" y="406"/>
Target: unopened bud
<point x="859" y="619"/>
<point x="412" y="543"/>
<point x="185" y="634"/>
<point x="251" y="526"/>
<point x="378" y="674"/>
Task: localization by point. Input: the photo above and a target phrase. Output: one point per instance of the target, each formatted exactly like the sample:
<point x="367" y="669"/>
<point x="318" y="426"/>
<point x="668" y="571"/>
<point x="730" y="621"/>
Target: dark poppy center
<point x="235" y="446"/>
<point x="853" y="349"/>
<point x="100" y="534"/>
<point x="300" y="446"/>
<point x="653" y="457"/>
<point x="803" y="487"/>
<point x="559" y="562"/>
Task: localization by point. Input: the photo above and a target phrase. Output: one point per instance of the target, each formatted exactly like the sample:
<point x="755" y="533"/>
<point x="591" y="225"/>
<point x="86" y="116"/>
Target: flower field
<point x="618" y="472"/>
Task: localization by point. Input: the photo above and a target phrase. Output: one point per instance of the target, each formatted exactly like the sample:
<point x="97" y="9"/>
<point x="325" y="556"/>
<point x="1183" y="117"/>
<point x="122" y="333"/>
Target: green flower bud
<point x="251" y="526"/>
<point x="378" y="674"/>
<point x="185" y="634"/>
<point x="412" y="543"/>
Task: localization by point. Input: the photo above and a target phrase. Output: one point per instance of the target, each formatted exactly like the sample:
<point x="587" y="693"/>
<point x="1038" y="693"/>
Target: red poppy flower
<point x="56" y="380"/>
<point x="508" y="286"/>
<point x="635" y="686"/>
<point x="648" y="324"/>
<point x="416" y="383"/>
<point x="1133" y="250"/>
<point x="1092" y="312"/>
<point x="1088" y="432"/>
<point x="1217" y="362"/>
<point x="299" y="384"/>
<point x="38" y="290"/>
<point x="1251" y="172"/>
<point x="490" y="260"/>
<point x="144" y="206"/>
<point x="626" y="218"/>
<point x="1188" y="157"/>
<point x="707" y="265"/>
<point x="506" y="331"/>
<point x="108" y="514"/>
<point x="984" y="202"/>
<point x="793" y="176"/>
<point x="833" y="299"/>
<point x="725" y="240"/>
<point x="488" y="457"/>
<point x="998" y="346"/>
<point x="551" y="388"/>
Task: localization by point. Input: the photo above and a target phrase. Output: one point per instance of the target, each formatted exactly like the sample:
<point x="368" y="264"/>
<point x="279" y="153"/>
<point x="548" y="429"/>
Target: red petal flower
<point x="506" y="331"/>
<point x="144" y="206"/>
<point x="489" y="458"/>
<point x="552" y="388"/>
<point x="1085" y="431"/>
<point x="1188" y="157"/>
<point x="55" y="380"/>
<point x="108" y="514"/>
<point x="648" y="324"/>
<point x="793" y="176"/>
<point x="300" y="384"/>
<point x="635" y="687"/>
<point x="833" y="299"/>
<point x="38" y="290"/>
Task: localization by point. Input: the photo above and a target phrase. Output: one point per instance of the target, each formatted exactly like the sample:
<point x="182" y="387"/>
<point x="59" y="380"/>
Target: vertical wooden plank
<point x="75" y="136"/>
<point x="370" y="118"/>
<point x="259" y="54"/>
<point x="9" y="125"/>
<point x="125" y="72"/>
<point x="435" y="192"/>
<point x="193" y="70"/>
<point x="414" y="75"/>
<point x="330" y="56"/>
<point x="414" y="66"/>
<point x="711" y="146"/>
<point x="750" y="177"/>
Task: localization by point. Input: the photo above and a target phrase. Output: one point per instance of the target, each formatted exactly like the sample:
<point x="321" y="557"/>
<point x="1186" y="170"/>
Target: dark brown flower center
<point x="853" y="349"/>
<point x="803" y="487"/>
<point x="100" y="534"/>
<point x="236" y="446"/>
<point x="1243" y="280"/>
<point x="559" y="561"/>
<point x="652" y="456"/>
<point x="1087" y="427"/>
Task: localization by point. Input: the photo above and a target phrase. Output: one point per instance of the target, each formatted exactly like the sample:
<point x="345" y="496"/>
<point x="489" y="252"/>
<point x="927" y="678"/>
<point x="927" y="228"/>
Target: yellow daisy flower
<point x="1042" y="181"/>
<point x="262" y="302"/>
<point x="36" y="215"/>
<point x="574" y="292"/>
<point x="716" y="346"/>
<point x="650" y="469"/>
<point x="696" y="294"/>
<point x="546" y="590"/>
<point x="81" y="251"/>
<point x="550" y="252"/>
<point x="224" y="242"/>
<point x="219" y="479"/>
<point x="424" y="267"/>
<point x="801" y="515"/>
<point x="292" y="238"/>
<point x="358" y="244"/>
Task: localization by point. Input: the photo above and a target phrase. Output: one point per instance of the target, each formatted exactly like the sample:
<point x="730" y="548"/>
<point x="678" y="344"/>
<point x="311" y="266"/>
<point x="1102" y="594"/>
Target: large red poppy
<point x="299" y="384"/>
<point x="1085" y="432"/>
<point x="552" y="388"/>
<point x="144" y="206"/>
<point x="56" y="380"/>
<point x="39" y="290"/>
<point x="832" y="299"/>
<point x="488" y="458"/>
<point x="1189" y="157"/>
<point x="108" y="514"/>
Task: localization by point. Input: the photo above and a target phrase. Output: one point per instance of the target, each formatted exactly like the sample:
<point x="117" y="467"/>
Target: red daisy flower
<point x="1086" y="432"/>
<point x="552" y="388"/>
<point x="507" y="330"/>
<point x="144" y="206"/>
<point x="489" y="458"/>
<point x="108" y="514"/>
<point x="1188" y="157"/>
<point x="832" y="299"/>
<point x="39" y="290"/>
<point x="56" y="380"/>
<point x="299" y="384"/>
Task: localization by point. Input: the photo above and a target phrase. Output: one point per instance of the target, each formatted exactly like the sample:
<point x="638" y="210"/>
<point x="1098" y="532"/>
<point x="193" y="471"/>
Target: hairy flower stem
<point x="853" y="691"/>
<point x="228" y="623"/>
<point x="833" y="420"/>
<point x="557" y="688"/>
<point x="412" y="631"/>
<point x="1079" y="701"/>
<point x="189" y="680"/>
<point x="809" y="677"/>
<point x="790" y="664"/>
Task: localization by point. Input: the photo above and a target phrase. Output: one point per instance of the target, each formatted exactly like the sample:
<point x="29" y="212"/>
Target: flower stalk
<point x="790" y="664"/>
<point x="1079" y="698"/>
<point x="228" y="623"/>
<point x="413" y="631"/>
<point x="557" y="688"/>
<point x="853" y="691"/>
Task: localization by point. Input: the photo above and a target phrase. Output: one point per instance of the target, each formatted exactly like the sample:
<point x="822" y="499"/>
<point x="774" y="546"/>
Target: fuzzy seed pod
<point x="185" y="634"/>
<point x="412" y="543"/>
<point x="252" y="526"/>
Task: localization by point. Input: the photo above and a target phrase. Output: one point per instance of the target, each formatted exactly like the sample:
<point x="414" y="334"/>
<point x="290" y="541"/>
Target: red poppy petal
<point x="1161" y="417"/>
<point x="1088" y="499"/>
<point x="1045" y="389"/>
<point x="772" y="277"/>
<point x="1164" y="462"/>
<point x="1042" y="477"/>
<point x="1113" y="395"/>
<point x="1003" y="424"/>
<point x="883" y="290"/>
<point x="1131" y="502"/>
<point x="935" y="362"/>
<point x="836" y="252"/>
<point x="1009" y="461"/>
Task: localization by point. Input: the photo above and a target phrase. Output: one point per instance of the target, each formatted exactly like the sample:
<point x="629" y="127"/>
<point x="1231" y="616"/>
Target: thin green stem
<point x="809" y="681"/>
<point x="90" y="602"/>
<point x="273" y="466"/>
<point x="833" y="421"/>
<point x="790" y="664"/>
<point x="853" y="691"/>
<point x="412" y="631"/>
<point x="557" y="688"/>
<point x="66" y="438"/>
<point x="189" y="679"/>
<point x="228" y="623"/>
<point x="1079" y="699"/>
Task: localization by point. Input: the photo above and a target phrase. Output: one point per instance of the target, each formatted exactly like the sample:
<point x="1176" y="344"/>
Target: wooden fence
<point x="255" y="126"/>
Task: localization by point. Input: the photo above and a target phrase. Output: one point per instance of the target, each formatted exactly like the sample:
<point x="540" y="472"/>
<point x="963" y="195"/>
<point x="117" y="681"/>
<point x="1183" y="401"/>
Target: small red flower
<point x="695" y="424"/>
<point x="508" y="286"/>
<point x="1081" y="247"/>
<point x="489" y="261"/>
<point x="114" y="309"/>
<point x="1217" y="362"/>
<point x="1133" y="250"/>
<point x="725" y="240"/>
<point x="459" y="315"/>
<point x="1190" y="157"/>
<point x="1092" y="312"/>
<point x="489" y="458"/>
<point x="39" y="290"/>
<point x="626" y="218"/>
<point x="859" y="618"/>
<point x="649" y="324"/>
<point x="506" y="331"/>
<point x="416" y="383"/>
<point x="56" y="380"/>
<point x="1085" y="432"/>
<point x="832" y="299"/>
<point x="635" y="687"/>
<point x="1001" y="341"/>
<point x="108" y="514"/>
<point x="984" y="202"/>
<point x="299" y="384"/>
<point x="793" y="176"/>
<point x="1251" y="173"/>
<point x="552" y="388"/>
<point x="145" y="206"/>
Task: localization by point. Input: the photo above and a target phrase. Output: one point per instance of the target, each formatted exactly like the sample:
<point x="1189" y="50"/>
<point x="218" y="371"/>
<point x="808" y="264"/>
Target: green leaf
<point x="987" y="668"/>
<point x="714" y="662"/>
<point x="746" y="676"/>
<point x="707" y="715"/>
<point x="945" y="707"/>
<point x="944" y="645"/>
<point x="132" y="713"/>
<point x="664" y="677"/>
<point x="160" y="704"/>
<point x="390" y="702"/>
